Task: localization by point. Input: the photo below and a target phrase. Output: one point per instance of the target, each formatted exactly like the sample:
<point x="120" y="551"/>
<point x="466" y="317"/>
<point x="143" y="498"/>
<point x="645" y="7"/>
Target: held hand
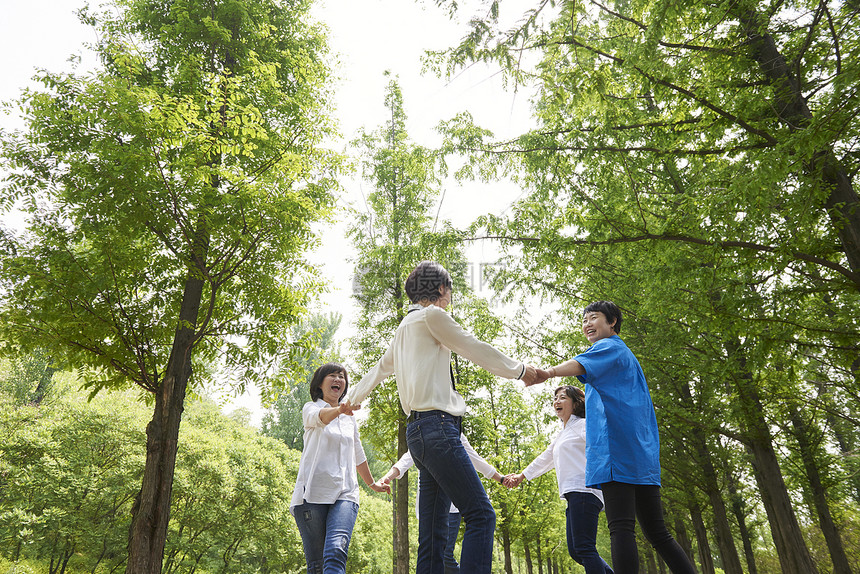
<point x="513" y="480"/>
<point x="542" y="375"/>
<point x="381" y="486"/>
<point x="347" y="408"/>
<point x="530" y="376"/>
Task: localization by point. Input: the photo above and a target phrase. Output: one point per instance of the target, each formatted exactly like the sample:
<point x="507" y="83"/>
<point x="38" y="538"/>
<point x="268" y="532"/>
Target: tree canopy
<point x="694" y="163"/>
<point x="169" y="199"/>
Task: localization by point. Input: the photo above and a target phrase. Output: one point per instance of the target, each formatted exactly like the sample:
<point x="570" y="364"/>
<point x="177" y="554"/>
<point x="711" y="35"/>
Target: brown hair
<point x="578" y="397"/>
<point x="425" y="280"/>
<point x="321" y="373"/>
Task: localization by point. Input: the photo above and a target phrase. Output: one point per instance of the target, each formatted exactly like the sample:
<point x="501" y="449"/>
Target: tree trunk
<point x="649" y="558"/>
<point x="684" y="540"/>
<point x="739" y="510"/>
<point x="843" y="203"/>
<point x="401" y="507"/>
<point x="539" y="557"/>
<point x="818" y="494"/>
<point x="151" y="510"/>
<point x="43" y="385"/>
<point x="506" y="547"/>
<point x="701" y="533"/>
<point x="731" y="561"/>
<point x="845" y="451"/>
<point x="794" y="557"/>
<point x="845" y="437"/>
<point x="529" y="566"/>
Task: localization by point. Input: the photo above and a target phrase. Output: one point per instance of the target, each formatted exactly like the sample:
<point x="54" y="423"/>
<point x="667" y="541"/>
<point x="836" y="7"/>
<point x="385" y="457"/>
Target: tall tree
<point x="170" y="197"/>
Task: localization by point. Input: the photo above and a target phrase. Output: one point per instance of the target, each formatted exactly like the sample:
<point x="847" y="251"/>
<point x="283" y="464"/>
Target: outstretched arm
<point x="364" y="473"/>
<point x="570" y="368"/>
<point x="383" y="368"/>
<point x="480" y="464"/>
<point x="542" y="464"/>
<point x="328" y="414"/>
<point x="397" y="470"/>
<point x="447" y="331"/>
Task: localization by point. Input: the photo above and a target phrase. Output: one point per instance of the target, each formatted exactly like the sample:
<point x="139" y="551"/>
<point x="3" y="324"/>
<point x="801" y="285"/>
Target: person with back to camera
<point x="405" y="462"/>
<point x="622" y="440"/>
<point x="566" y="453"/>
<point x="420" y="358"/>
<point x="325" y="500"/>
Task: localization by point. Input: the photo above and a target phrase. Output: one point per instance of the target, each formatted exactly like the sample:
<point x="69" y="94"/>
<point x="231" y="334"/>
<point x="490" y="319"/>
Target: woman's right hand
<point x="381" y="486"/>
<point x="513" y="480"/>
<point x="347" y="408"/>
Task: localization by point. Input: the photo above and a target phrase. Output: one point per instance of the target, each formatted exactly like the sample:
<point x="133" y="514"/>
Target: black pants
<point x="626" y="503"/>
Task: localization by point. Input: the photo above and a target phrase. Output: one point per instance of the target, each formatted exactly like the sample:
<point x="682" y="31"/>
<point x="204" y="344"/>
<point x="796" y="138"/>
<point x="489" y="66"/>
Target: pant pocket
<point x="415" y="443"/>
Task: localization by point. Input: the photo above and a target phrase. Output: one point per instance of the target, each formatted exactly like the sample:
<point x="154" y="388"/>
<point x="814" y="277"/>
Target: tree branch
<point x="848" y="273"/>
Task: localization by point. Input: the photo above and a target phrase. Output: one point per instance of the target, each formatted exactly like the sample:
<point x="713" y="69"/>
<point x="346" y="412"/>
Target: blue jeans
<point x="326" y="530"/>
<point x="448" y="475"/>
<point x="582" y="511"/>
<point x="451" y="566"/>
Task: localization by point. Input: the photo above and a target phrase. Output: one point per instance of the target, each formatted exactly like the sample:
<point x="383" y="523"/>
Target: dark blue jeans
<point x="451" y="565"/>
<point x="627" y="503"/>
<point x="326" y="530"/>
<point x="448" y="475"/>
<point x="583" y="508"/>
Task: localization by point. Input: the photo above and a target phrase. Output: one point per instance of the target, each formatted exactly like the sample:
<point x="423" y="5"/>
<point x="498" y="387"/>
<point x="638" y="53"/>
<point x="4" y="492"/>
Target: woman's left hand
<point x="380" y="486"/>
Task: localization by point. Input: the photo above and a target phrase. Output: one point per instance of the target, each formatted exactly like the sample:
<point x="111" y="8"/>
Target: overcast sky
<point x="370" y="37"/>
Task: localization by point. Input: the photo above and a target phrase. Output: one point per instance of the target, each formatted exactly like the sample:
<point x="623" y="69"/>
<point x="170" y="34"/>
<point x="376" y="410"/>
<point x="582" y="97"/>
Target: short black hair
<point x="321" y="373"/>
<point x="609" y="309"/>
<point x="578" y="397"/>
<point x="425" y="280"/>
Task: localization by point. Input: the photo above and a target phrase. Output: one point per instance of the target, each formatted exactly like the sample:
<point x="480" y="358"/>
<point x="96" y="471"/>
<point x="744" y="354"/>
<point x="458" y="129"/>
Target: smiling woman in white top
<point x="566" y="453"/>
<point x="325" y="500"/>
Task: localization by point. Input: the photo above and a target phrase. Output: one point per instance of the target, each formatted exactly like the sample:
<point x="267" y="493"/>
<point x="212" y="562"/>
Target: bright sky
<point x="370" y="36"/>
<point x="373" y="36"/>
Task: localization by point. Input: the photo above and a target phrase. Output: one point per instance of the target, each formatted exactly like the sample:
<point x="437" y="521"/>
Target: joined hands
<point x="381" y="485"/>
<point x="535" y="376"/>
<point x="513" y="480"/>
<point x="347" y="408"/>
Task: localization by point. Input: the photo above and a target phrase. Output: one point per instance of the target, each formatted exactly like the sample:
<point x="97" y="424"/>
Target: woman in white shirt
<point x="405" y="462"/>
<point x="566" y="454"/>
<point x="325" y="500"/>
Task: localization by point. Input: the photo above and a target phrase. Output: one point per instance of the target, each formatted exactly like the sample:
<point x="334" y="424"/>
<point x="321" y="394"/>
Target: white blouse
<point x="566" y="453"/>
<point x="331" y="453"/>
<point x="420" y="358"/>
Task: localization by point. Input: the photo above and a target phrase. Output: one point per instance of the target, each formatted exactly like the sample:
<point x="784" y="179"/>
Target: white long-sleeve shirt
<point x="405" y="462"/>
<point x="566" y="453"/>
<point x="420" y="358"/>
<point x="330" y="455"/>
